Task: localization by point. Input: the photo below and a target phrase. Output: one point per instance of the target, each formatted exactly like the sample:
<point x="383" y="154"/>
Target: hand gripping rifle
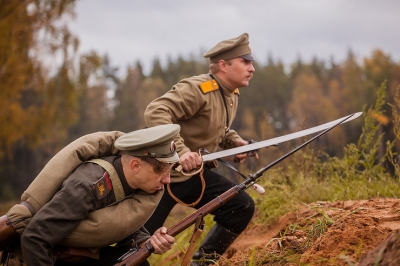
<point x="135" y="257"/>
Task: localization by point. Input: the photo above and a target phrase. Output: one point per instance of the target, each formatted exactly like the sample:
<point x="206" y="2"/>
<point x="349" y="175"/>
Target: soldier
<point x="138" y="174"/>
<point x="205" y="107"/>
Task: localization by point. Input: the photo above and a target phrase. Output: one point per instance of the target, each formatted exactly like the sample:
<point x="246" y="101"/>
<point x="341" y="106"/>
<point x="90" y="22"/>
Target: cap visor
<point x="172" y="159"/>
<point x="248" y="57"/>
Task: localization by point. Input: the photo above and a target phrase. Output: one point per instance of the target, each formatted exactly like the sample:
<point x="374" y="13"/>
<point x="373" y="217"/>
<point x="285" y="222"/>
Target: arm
<point x="94" y="145"/>
<point x="136" y="257"/>
<point x="233" y="140"/>
<point x="161" y="241"/>
<point x="178" y="106"/>
<point x="55" y="220"/>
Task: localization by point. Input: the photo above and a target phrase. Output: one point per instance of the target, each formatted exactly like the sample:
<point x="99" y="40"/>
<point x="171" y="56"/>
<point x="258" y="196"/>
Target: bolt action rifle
<point x="136" y="256"/>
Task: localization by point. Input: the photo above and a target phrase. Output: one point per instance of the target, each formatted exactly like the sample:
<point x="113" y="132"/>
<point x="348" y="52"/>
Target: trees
<point x="31" y="31"/>
<point x="126" y="113"/>
<point x="44" y="106"/>
<point x="31" y="34"/>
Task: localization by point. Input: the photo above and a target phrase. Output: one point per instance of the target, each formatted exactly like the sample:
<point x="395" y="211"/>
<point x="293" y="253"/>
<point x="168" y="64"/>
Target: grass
<point x="358" y="174"/>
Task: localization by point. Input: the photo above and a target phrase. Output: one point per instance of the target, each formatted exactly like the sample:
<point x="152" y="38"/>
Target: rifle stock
<point x="139" y="256"/>
<point x="135" y="258"/>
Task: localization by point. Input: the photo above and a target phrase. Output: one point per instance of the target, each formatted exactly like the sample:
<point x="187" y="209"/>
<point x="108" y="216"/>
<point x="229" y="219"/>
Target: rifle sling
<point x="203" y="187"/>
<point x="198" y="229"/>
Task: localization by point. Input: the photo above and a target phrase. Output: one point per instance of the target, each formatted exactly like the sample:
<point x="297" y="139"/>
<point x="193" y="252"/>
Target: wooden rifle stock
<point x="137" y="257"/>
<point x="140" y="255"/>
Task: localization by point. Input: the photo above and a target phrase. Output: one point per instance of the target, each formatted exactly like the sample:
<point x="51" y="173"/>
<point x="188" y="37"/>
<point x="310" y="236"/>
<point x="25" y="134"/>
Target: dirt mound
<point x="387" y="253"/>
<point x="324" y="233"/>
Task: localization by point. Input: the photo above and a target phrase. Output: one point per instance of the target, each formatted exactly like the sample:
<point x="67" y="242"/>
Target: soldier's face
<point x="146" y="179"/>
<point x="239" y="71"/>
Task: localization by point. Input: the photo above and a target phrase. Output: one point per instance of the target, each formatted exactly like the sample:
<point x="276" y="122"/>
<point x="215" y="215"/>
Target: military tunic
<point x="87" y="189"/>
<point x="203" y="120"/>
<point x="57" y="170"/>
<point x="201" y="115"/>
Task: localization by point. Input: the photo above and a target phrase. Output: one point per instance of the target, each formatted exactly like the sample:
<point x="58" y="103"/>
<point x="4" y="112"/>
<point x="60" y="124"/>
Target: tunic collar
<point x="224" y="86"/>
<point x="118" y="167"/>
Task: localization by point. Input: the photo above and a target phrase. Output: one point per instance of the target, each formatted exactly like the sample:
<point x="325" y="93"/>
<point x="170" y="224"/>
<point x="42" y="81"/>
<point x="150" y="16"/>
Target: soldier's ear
<point x="135" y="165"/>
<point x="222" y="65"/>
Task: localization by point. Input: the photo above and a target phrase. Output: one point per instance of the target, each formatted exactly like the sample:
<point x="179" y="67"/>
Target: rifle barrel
<point x="145" y="250"/>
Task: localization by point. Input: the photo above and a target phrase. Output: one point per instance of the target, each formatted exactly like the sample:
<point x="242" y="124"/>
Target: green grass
<point x="358" y="174"/>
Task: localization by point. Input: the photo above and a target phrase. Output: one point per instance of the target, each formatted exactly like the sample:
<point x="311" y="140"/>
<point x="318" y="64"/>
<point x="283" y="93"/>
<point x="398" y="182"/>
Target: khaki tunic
<point x="56" y="171"/>
<point x="78" y="197"/>
<point x="202" y="116"/>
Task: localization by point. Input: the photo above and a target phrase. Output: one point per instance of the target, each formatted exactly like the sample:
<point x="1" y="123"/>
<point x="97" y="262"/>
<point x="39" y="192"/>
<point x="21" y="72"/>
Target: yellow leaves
<point x="307" y="96"/>
<point x="310" y="106"/>
<point x="378" y="67"/>
<point x="15" y="124"/>
<point x="22" y="24"/>
<point x="381" y="118"/>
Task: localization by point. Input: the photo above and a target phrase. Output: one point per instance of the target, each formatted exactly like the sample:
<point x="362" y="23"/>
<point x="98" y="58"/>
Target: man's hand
<point x="161" y="241"/>
<point x="190" y="160"/>
<point x="242" y="156"/>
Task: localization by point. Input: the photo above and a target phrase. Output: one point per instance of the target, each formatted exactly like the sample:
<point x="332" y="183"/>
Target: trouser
<point x="233" y="215"/>
<point x="108" y="257"/>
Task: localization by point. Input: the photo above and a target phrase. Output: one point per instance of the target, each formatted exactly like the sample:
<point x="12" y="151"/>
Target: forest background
<point x="43" y="109"/>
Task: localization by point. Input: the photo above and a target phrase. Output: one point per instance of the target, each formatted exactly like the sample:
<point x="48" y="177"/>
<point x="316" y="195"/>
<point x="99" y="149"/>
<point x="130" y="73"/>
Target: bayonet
<point x="275" y="141"/>
<point x="138" y="257"/>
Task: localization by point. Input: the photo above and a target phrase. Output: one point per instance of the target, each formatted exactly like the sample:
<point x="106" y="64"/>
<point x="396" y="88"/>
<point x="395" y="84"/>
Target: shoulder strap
<point x="116" y="183"/>
<point x="209" y="86"/>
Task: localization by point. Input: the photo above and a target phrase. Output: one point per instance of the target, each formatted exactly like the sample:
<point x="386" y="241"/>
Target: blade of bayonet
<point x="274" y="141"/>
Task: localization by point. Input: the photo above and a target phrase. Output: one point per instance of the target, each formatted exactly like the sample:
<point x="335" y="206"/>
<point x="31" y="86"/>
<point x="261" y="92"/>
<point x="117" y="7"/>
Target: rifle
<point x="135" y="257"/>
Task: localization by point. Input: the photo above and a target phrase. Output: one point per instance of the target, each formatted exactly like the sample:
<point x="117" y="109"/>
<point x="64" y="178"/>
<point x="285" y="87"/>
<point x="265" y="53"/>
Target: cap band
<point x="233" y="53"/>
<point x="229" y="49"/>
<point x="156" y="142"/>
<point x="156" y="155"/>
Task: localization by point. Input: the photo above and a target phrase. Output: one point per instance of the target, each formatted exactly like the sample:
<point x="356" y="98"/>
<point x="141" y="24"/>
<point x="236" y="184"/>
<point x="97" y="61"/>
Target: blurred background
<point x="69" y="68"/>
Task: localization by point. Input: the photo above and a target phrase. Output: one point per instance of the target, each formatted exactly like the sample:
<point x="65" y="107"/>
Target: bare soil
<point x="362" y="233"/>
<point x="343" y="233"/>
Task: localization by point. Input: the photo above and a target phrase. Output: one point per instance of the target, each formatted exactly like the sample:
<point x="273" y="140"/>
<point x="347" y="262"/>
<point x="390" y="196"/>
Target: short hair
<point x="214" y="67"/>
<point x="158" y="166"/>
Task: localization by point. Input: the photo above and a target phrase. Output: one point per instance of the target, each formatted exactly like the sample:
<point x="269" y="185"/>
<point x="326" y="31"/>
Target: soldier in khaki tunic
<point x="144" y="167"/>
<point x="205" y="106"/>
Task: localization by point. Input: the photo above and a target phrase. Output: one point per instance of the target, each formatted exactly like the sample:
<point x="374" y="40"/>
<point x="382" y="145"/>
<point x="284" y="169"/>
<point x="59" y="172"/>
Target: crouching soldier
<point x="94" y="213"/>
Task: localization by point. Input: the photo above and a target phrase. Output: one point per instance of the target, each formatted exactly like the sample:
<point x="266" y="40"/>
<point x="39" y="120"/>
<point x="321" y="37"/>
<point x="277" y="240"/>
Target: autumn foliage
<point x="51" y="95"/>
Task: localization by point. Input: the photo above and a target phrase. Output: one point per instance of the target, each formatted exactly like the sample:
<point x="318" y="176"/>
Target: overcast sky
<point x="131" y="30"/>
